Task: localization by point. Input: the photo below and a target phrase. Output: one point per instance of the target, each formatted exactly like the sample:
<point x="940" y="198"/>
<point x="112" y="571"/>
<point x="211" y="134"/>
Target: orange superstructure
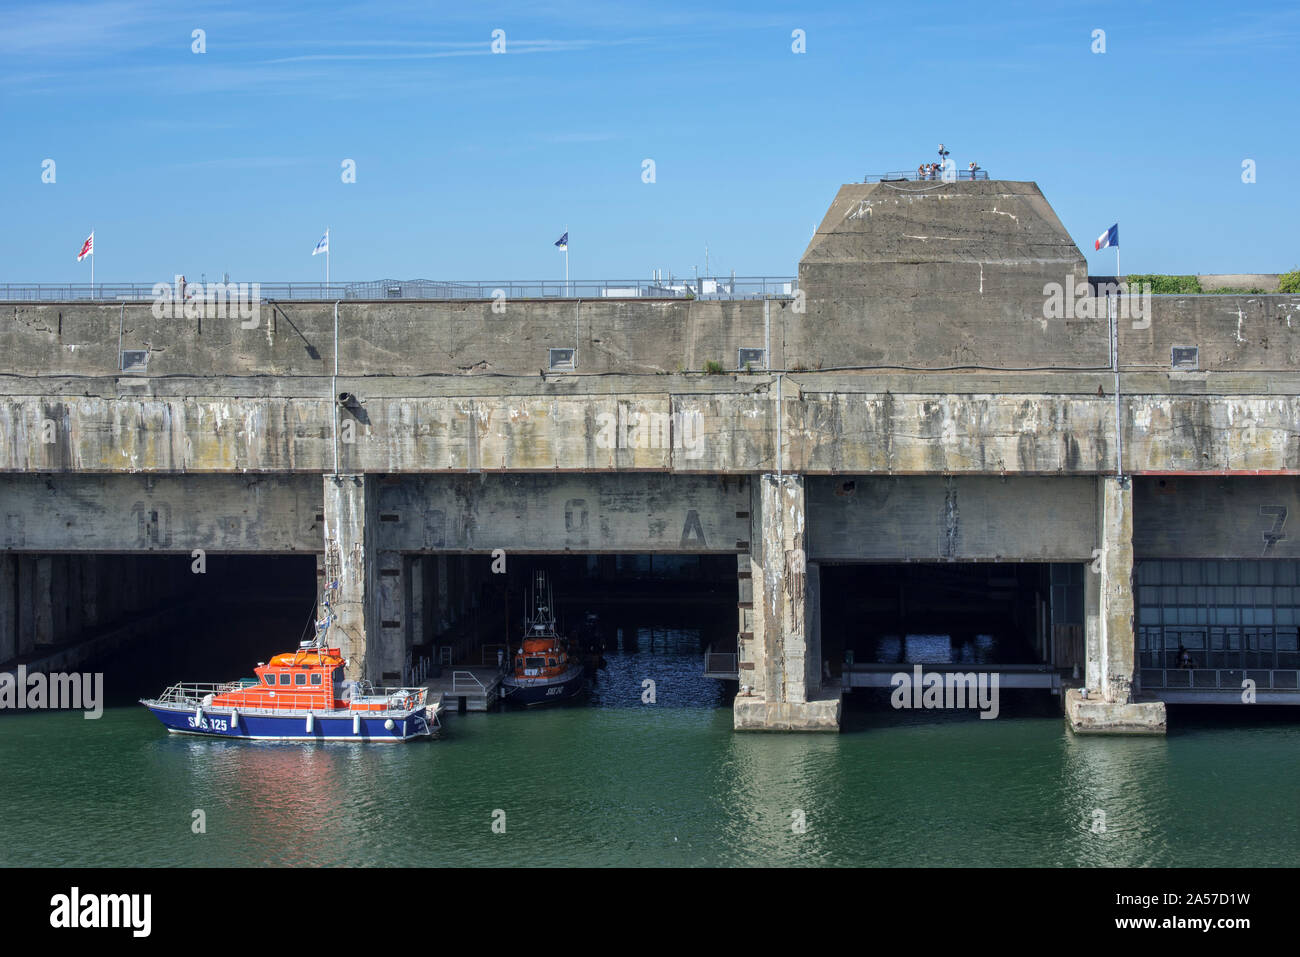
<point x="309" y="679"/>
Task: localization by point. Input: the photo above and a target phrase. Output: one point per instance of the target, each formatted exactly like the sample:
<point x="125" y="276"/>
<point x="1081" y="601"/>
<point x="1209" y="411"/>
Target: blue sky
<point x="470" y="164"/>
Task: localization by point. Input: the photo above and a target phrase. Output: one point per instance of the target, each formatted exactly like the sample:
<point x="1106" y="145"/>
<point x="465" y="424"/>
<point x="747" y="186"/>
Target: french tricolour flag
<point x="1109" y="238"/>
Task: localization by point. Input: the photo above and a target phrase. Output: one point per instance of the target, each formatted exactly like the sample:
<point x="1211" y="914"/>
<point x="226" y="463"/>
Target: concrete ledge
<point x="755" y="714"/>
<point x="1095" y="716"/>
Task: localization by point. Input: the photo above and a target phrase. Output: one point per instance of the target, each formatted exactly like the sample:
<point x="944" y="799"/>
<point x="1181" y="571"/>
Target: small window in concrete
<point x="135" y="360"/>
<point x="1185" y="357"/>
<point x="752" y="359"/>
<point x="560" y="360"/>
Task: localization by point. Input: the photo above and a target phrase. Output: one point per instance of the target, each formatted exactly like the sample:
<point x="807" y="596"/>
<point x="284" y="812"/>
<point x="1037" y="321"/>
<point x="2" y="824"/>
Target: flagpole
<point x="566" y="259"/>
<point x="92" y="263"/>
<point x="327" y="259"/>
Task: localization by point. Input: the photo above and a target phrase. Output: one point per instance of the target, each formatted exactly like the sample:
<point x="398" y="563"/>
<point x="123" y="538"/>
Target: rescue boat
<point x="299" y="696"/>
<point x="544" y="669"/>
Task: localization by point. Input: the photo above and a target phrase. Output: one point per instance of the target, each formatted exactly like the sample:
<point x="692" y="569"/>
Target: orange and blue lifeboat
<point x="298" y="696"/>
<point x="543" y="672"/>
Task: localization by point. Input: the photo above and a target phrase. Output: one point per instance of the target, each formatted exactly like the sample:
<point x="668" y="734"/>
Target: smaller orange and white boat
<point x="545" y="669"/>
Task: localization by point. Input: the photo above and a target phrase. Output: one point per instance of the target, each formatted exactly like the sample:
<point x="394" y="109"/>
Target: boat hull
<point x="528" y="692"/>
<point x="292" y="725"/>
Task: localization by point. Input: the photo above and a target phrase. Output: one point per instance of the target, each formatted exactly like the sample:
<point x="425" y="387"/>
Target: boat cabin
<point x="310" y="678"/>
<point x="541" y="658"/>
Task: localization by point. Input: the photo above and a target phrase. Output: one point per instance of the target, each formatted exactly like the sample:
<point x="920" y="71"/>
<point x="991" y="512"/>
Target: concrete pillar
<point x="443" y="613"/>
<point x="26" y="604"/>
<point x="8" y="608"/>
<point x="90" y="603"/>
<point x="44" y="600"/>
<point x="393" y="620"/>
<point x="781" y="697"/>
<point x="76" y="610"/>
<point x="351" y="522"/>
<point x="113" y="590"/>
<point x="415" y="600"/>
<point x="813" y="627"/>
<point x="1110" y="643"/>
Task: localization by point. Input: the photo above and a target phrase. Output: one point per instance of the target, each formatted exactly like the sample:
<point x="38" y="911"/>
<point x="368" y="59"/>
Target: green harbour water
<point x="615" y="782"/>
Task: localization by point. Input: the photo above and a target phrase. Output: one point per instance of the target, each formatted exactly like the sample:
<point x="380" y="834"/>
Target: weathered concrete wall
<point x="616" y="513"/>
<point x="942" y="274"/>
<point x="460" y="337"/>
<point x="1231" y="333"/>
<point x="960" y="314"/>
<point x="828" y="426"/>
<point x="929" y="518"/>
<point x="1224" y="517"/>
<point x="176" y="513"/>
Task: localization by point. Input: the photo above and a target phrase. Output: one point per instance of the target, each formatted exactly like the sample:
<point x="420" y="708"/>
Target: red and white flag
<point x="87" y="248"/>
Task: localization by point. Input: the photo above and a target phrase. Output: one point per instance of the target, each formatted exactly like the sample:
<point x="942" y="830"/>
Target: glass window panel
<point x="1263" y="596"/>
<point x="1224" y="596"/>
<point x="1285" y="573"/>
<point x="1248" y="616"/>
<point x="1249" y="573"/>
<point x="1286" y="616"/>
<point x="1169" y="595"/>
<point x="1264" y="616"/>
<point x="1266" y="573"/>
<point x="1148" y="615"/>
<point x="1223" y="616"/>
<point x="1190" y="573"/>
<point x="1227" y="573"/>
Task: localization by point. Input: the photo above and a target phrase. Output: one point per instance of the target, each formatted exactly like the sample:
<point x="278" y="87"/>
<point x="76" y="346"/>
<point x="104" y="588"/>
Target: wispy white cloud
<point x="245" y="162"/>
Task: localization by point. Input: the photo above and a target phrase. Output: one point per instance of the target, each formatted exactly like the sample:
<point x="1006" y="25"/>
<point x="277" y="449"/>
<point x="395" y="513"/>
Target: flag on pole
<point x="1109" y="238"/>
<point x="324" y="245"/>
<point x="563" y="241"/>
<point x="87" y="248"/>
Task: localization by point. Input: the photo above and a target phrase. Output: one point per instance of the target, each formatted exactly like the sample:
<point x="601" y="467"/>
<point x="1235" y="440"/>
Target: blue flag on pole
<point x="563" y="241"/>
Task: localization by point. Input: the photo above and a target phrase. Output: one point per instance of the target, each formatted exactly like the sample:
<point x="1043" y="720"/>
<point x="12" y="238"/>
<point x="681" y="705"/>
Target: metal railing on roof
<point x="919" y="176"/>
<point x="722" y="287"/>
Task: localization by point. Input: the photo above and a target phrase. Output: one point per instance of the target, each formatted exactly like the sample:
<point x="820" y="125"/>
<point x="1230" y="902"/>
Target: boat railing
<point x="198" y="695"/>
<point x="187" y="692"/>
<point x="464" y="682"/>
